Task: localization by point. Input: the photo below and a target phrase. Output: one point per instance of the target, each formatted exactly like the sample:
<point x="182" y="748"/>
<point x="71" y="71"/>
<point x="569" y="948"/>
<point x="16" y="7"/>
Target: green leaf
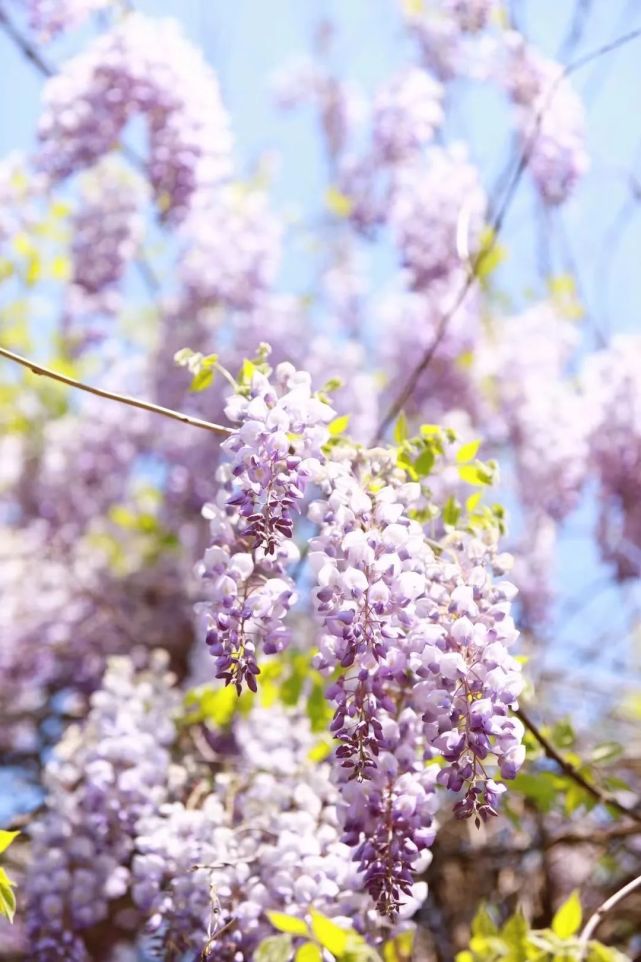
<point x="451" y="511"/>
<point x="331" y="936"/>
<point x="277" y="948"/>
<point x="472" y="502"/>
<point x="575" y="798"/>
<point x="288" y="923"/>
<point x="399" y="949"/>
<point x="359" y="951"/>
<point x="491" y="254"/>
<point x="309" y="952"/>
<point x="597" y="952"/>
<point x="211" y="704"/>
<point x="541" y="788"/>
<point x="400" y="429"/>
<point x="606" y="752"/>
<point x="6" y="838"/>
<point x="291" y="688"/>
<point x="429" y="430"/>
<point x="183" y="356"/>
<point x="338" y="203"/>
<point x="467" y="452"/>
<point x="515" y="929"/>
<point x="567" y="920"/>
<point x="483" y="924"/>
<point x="563" y="734"/>
<point x="201" y="380"/>
<point x="404" y="461"/>
<point x="319" y="710"/>
<point x="247" y="371"/>
<point x="7" y="897"/>
<point x="475" y="474"/>
<point x="424" y="463"/>
<point x="338" y="425"/>
<point x="321" y="750"/>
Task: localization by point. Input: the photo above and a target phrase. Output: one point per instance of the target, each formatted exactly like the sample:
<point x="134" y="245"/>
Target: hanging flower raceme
<point x="610" y="390"/>
<point x="550" y="119"/>
<point x="103" y="777"/>
<point x="142" y="66"/>
<point x="417" y="636"/>
<point x="232" y="250"/>
<point x="108" y="227"/>
<point x="140" y="841"/>
<point x="52" y="17"/>
<point x="277" y="447"/>
<point x="448" y="33"/>
<point x="437" y="212"/>
<point x="407" y="112"/>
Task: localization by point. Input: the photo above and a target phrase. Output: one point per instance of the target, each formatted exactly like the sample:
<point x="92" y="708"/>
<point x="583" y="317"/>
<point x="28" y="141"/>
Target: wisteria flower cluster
<point x="422" y="640"/>
<point x="273" y="453"/>
<point x="140" y="835"/>
<point x="51" y="17"/>
<point x="142" y="66"/>
<point x="258" y="639"/>
<point x="107" y="233"/>
<point x="550" y="120"/>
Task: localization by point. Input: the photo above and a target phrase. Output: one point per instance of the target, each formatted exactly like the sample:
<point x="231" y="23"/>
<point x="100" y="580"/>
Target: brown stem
<point x="572" y="772"/>
<point x="26" y="48"/>
<point x="595" y="920"/>
<point x="112" y="396"/>
<point x="31" y="53"/>
<point x="496" y="225"/>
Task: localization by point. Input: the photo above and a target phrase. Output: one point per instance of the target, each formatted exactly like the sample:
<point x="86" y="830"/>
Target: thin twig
<point x="496" y="224"/>
<point x="112" y="396"/>
<point x="31" y="53"/>
<point x="572" y="772"/>
<point x="27" y="49"/>
<point x="595" y="920"/>
<point x="596" y="838"/>
<point x="582" y="11"/>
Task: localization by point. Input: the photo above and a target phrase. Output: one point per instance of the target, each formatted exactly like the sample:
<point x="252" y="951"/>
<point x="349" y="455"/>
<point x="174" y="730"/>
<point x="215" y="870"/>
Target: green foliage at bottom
<point x="515" y="941"/>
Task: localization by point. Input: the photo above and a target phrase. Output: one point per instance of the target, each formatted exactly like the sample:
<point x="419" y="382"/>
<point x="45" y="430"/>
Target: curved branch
<point x="497" y="222"/>
<point x="31" y="53"/>
<point x="595" y="920"/>
<point x="112" y="396"/>
<point x="27" y="49"/>
<point x="572" y="772"/>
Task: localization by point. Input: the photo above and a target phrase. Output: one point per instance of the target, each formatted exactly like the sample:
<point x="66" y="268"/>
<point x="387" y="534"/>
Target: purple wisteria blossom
<point x="142" y="66"/>
<point x="273" y="453"/>
<point x="420" y="643"/>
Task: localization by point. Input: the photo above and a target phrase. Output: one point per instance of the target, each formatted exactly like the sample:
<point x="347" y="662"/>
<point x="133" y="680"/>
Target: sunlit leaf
<point x="338" y="203"/>
<point x="7" y="896"/>
<point x="309" y="952"/>
<point x="400" y="429"/>
<point x="451" y="511"/>
<point x="567" y="920"/>
<point x="276" y="948"/>
<point x="424" y="462"/>
<point x="331" y="936"/>
<point x="202" y="380"/>
<point x="6" y="838"/>
<point x="338" y="425"/>
<point x="288" y="923"/>
<point x="399" y="949"/>
<point x="483" y="924"/>
<point x="467" y="452"/>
